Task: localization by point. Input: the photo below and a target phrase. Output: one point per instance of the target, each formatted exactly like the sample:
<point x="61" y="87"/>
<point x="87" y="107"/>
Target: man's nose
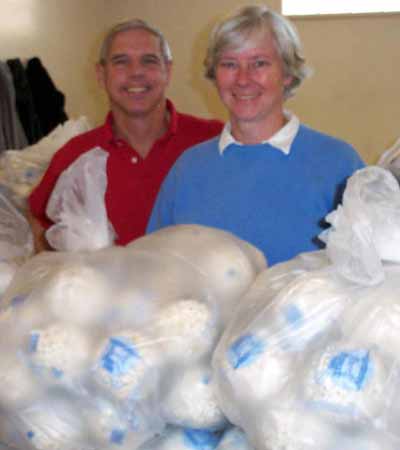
<point x="135" y="68"/>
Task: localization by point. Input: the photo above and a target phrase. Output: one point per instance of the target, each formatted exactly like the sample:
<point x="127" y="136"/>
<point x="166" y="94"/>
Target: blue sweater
<point x="276" y="202"/>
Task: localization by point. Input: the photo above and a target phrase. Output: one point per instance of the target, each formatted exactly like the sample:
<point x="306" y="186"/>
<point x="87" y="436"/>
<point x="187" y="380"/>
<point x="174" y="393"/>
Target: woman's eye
<point x="228" y="64"/>
<point x="260" y="63"/>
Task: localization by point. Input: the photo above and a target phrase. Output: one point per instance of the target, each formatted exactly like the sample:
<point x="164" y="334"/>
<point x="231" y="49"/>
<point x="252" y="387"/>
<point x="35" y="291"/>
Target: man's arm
<point x="39" y="240"/>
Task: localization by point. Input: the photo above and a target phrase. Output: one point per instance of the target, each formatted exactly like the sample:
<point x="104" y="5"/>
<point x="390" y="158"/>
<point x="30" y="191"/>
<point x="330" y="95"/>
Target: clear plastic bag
<point x="77" y="206"/>
<point x="310" y="360"/>
<point x="21" y="170"/>
<point x="16" y="241"/>
<point x="112" y="334"/>
<point x="365" y="230"/>
<point x="390" y="159"/>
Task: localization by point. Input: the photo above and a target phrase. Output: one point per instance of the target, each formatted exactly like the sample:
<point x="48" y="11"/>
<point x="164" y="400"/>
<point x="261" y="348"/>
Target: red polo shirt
<point x="132" y="182"/>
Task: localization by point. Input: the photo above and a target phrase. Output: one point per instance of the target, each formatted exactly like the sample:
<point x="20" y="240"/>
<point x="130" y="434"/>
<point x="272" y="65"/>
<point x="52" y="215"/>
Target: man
<point x="268" y="179"/>
<point x="143" y="132"/>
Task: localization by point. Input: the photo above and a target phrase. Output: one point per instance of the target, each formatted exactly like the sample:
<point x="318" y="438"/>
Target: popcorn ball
<point x="251" y="370"/>
<point x="55" y="425"/>
<point x="183" y="439"/>
<point x="191" y="402"/>
<point x="186" y="330"/>
<point x="77" y="293"/>
<point x="307" y="308"/>
<point x="348" y="383"/>
<point x="18" y="384"/>
<point x="291" y="428"/>
<point x="127" y="365"/>
<point x="234" y="439"/>
<point x="61" y="350"/>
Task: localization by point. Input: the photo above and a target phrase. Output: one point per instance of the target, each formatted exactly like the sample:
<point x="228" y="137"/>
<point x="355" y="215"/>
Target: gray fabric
<point x="12" y="135"/>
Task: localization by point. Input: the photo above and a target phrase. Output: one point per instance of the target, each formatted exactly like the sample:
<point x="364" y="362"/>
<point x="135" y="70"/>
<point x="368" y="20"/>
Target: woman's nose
<point x="242" y="76"/>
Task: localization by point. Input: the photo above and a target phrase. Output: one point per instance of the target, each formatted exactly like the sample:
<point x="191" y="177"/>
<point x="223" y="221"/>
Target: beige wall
<point x="353" y="94"/>
<point x="62" y="33"/>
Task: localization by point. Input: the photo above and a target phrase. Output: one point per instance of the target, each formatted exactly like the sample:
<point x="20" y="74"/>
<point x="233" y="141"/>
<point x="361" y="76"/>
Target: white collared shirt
<point x="281" y="140"/>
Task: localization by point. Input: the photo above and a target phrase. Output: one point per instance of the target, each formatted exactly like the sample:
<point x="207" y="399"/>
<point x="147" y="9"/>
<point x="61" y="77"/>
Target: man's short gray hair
<point x="236" y="31"/>
<point x="134" y="24"/>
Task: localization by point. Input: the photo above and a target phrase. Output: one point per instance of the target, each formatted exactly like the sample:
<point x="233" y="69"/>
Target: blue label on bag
<point x="33" y="342"/>
<point x="119" y="357"/>
<point x="245" y="350"/>
<point x="57" y="373"/>
<point x="293" y="316"/>
<point x="200" y="439"/>
<point x="30" y="434"/>
<point x="117" y="436"/>
<point x="18" y="300"/>
<point x="350" y="370"/>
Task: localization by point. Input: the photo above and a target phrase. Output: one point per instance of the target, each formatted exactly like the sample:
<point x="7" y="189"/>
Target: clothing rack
<point x="30" y="104"/>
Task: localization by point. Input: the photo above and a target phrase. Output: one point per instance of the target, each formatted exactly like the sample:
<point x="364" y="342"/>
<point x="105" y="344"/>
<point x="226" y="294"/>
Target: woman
<point x="268" y="178"/>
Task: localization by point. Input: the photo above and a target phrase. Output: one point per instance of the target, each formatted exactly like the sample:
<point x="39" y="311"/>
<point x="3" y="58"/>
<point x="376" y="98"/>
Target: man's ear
<point x="169" y="71"/>
<point x="100" y="74"/>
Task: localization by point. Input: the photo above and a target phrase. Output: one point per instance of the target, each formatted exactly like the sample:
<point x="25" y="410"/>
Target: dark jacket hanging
<point x="12" y="135"/>
<point x="24" y="101"/>
<point x="49" y="101"/>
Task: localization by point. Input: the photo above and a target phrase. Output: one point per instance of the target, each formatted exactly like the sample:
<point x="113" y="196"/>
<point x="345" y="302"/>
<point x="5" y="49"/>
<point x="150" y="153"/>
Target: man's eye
<point x="151" y="61"/>
<point x="119" y="62"/>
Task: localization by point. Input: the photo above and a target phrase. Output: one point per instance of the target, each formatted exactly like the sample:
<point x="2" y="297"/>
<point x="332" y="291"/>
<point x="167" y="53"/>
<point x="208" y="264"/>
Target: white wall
<point x="63" y="34"/>
<point x="354" y="93"/>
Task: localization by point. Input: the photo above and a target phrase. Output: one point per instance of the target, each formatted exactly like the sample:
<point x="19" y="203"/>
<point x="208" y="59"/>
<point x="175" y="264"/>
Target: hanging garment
<point x="49" y="101"/>
<point x="12" y="135"/>
<point x="24" y="101"/>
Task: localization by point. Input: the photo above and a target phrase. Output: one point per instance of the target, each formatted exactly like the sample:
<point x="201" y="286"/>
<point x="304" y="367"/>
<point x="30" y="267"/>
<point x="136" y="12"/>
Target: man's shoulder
<point x="212" y="125"/>
<point x="95" y="136"/>
<point x="84" y="142"/>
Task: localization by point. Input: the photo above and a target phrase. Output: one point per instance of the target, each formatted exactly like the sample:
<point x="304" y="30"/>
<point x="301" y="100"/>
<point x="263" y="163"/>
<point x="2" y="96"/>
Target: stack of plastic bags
<point x="16" y="242"/>
<point x="311" y="360"/>
<point x="111" y="349"/>
<point x="77" y="206"/>
<point x="20" y="170"/>
<point x="390" y="159"/>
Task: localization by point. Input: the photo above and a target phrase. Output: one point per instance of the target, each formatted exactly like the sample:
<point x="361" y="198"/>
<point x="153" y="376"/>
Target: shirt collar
<point x="172" y="126"/>
<point x="281" y="140"/>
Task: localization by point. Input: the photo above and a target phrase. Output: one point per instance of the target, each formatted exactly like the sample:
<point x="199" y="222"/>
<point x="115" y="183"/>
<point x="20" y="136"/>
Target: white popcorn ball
<point x="227" y="264"/>
<point x="307" y="308"/>
<point x="348" y="383"/>
<point x="55" y="425"/>
<point x="183" y="439"/>
<point x="290" y="428"/>
<point x="77" y="293"/>
<point x="190" y="402"/>
<point x="127" y="365"/>
<point x="105" y="423"/>
<point x="251" y="370"/>
<point x="61" y="349"/>
<point x="363" y="439"/>
<point x="234" y="439"/>
<point x="7" y="272"/>
<point x="375" y="319"/>
<point x="186" y="330"/>
<point x="18" y="385"/>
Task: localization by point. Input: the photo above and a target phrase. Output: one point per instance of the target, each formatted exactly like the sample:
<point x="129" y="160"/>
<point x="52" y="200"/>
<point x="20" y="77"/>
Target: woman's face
<point x="251" y="82"/>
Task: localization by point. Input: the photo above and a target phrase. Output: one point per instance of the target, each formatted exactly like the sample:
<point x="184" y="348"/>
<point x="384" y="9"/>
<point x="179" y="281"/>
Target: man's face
<point x="135" y="75"/>
<point x="251" y="82"/>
